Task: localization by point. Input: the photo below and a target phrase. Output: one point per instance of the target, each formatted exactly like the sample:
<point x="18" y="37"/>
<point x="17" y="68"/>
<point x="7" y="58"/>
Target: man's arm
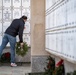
<point x="21" y="28"/>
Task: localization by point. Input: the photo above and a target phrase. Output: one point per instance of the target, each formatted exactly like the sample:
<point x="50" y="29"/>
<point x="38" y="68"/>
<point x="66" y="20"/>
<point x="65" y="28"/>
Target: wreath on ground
<point x="50" y="67"/>
<point x="5" y="57"/>
<point x="21" y="50"/>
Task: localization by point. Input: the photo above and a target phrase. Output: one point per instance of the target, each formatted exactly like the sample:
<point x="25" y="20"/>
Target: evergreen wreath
<point x="5" y="57"/>
<point x="21" y="50"/>
<point x="50" y="66"/>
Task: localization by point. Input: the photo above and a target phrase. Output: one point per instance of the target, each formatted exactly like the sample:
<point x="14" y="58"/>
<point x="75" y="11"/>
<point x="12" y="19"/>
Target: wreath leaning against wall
<point x="21" y="50"/>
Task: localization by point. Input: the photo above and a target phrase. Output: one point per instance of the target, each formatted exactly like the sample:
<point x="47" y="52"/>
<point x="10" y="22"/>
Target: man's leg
<point x="12" y="41"/>
<point x="4" y="43"/>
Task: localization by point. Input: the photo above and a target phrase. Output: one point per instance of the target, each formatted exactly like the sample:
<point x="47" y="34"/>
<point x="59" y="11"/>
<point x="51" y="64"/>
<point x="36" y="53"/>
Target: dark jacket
<point x="16" y="28"/>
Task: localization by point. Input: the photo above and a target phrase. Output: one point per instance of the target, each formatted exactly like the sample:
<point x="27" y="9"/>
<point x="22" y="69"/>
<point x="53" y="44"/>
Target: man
<point x="16" y="28"/>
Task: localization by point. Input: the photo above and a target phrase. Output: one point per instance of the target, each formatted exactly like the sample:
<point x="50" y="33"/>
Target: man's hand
<point x="21" y="44"/>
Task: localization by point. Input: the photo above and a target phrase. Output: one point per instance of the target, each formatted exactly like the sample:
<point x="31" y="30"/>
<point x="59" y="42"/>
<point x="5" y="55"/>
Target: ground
<point x="19" y="70"/>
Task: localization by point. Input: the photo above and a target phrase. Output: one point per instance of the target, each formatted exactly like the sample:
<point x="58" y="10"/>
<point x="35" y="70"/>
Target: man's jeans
<point x="12" y="40"/>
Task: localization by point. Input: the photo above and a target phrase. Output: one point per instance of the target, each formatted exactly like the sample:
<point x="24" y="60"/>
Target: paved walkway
<point x="19" y="70"/>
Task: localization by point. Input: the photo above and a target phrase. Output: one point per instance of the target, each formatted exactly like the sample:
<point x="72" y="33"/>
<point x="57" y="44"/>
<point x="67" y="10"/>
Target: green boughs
<point x="21" y="50"/>
<point x="59" y="70"/>
<point x="50" y="66"/>
<point x="51" y="69"/>
<point x="74" y="73"/>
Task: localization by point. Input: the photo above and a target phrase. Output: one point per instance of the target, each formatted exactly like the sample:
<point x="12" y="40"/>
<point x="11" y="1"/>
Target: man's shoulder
<point x="18" y="21"/>
<point x="15" y="19"/>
